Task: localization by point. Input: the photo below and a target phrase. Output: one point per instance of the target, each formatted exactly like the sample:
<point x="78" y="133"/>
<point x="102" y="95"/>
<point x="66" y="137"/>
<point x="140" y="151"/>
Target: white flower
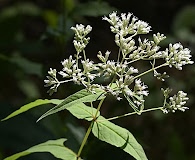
<point x="132" y="70"/>
<point x="158" y="37"/>
<point x="88" y="29"/>
<point x="113" y="18"/>
<point x="176" y="102"/>
<point x="81" y="41"/>
<point x="52" y="72"/>
<point x="79" y="46"/>
<point x="178" y="56"/>
<point x="64" y="75"/>
<point x="140" y="87"/>
<point x="142" y="27"/>
<point x="128" y="91"/>
<point x="68" y="62"/>
<point x="81" y="31"/>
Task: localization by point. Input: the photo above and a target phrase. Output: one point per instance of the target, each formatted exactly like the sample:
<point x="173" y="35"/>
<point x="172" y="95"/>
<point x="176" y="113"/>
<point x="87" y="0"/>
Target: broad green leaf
<point x="81" y="111"/>
<point x="27" y="66"/>
<point x="55" y="147"/>
<point x="77" y="98"/>
<point x="119" y="137"/>
<point x="24" y="64"/>
<point x="32" y="105"/>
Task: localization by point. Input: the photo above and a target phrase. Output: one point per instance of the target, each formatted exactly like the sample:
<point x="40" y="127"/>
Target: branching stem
<point x="89" y="129"/>
<point x="150" y="70"/>
<point x="132" y="113"/>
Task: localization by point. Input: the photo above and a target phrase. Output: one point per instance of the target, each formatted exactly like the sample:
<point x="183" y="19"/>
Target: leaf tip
<point x="4" y="119"/>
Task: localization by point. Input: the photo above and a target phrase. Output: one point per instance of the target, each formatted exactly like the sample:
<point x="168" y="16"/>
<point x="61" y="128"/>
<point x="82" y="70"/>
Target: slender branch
<point x="84" y="55"/>
<point x="132" y="113"/>
<point x="134" y="60"/>
<point x="99" y="106"/>
<point x="150" y="70"/>
<point x="119" y="52"/>
<point x="69" y="80"/>
<point x="133" y="35"/>
<point x="85" y="139"/>
<point x="141" y="58"/>
<point x="77" y="60"/>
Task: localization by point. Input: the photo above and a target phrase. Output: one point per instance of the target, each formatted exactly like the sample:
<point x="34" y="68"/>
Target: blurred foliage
<point x="35" y="35"/>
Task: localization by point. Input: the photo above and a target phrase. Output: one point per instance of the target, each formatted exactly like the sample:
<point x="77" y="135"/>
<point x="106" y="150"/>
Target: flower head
<point x="178" y="56"/>
<point x="177" y="102"/>
<point x="120" y="77"/>
<point x="81" y="32"/>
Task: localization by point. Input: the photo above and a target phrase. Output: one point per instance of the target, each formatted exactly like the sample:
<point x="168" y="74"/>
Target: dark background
<point x="35" y="35"/>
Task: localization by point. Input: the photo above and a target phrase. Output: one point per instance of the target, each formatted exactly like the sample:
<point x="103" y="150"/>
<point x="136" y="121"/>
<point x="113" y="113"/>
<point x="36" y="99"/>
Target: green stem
<point x="85" y="139"/>
<point x="152" y="69"/>
<point x="119" y="53"/>
<point x="113" y="79"/>
<point x="123" y="58"/>
<point x="141" y="58"/>
<point x="77" y="60"/>
<point x="99" y="106"/>
<point x="128" y="114"/>
<point x="84" y="55"/>
<point x="89" y="130"/>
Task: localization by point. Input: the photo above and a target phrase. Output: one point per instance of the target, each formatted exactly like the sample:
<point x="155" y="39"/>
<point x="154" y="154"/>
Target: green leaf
<point x="32" y="105"/>
<point x="77" y="98"/>
<point x="119" y="137"/>
<point x="55" y="147"/>
<point x="27" y="66"/>
<point x="81" y="111"/>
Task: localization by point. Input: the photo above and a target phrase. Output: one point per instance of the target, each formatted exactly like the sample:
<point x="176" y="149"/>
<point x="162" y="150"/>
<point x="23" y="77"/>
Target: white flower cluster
<point x="52" y="81"/>
<point x="177" y="56"/>
<point x="71" y="70"/>
<point x="176" y="102"/>
<point x="126" y="25"/>
<point x="124" y="79"/>
<point x="123" y="26"/>
<point x="81" y="41"/>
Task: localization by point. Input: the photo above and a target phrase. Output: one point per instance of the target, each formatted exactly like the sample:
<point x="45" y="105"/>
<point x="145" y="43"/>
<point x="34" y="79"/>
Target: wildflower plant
<point x="124" y="83"/>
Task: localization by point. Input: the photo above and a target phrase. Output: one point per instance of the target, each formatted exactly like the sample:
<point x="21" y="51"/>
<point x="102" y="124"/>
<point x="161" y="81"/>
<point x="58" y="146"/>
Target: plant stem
<point x="119" y="52"/>
<point x="152" y="69"/>
<point x="100" y="104"/>
<point x="128" y="114"/>
<point x="98" y="108"/>
<point x="84" y="55"/>
<point x="89" y="129"/>
<point x="141" y="58"/>
<point x="85" y="139"/>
